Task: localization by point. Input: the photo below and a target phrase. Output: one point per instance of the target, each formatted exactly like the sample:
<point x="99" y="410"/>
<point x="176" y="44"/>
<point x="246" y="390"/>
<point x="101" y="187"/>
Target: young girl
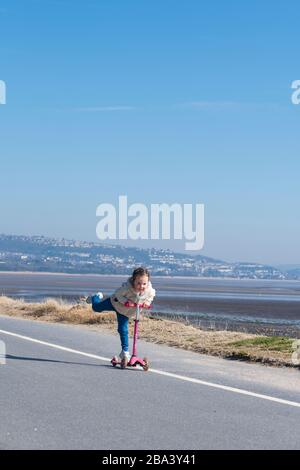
<point x="137" y="289"/>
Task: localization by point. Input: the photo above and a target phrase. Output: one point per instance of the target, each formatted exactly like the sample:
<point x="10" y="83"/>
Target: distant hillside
<point x="292" y="271"/>
<point x="39" y="253"/>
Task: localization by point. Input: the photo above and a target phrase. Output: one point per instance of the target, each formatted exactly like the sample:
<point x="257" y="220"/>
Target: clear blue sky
<point x="164" y="101"/>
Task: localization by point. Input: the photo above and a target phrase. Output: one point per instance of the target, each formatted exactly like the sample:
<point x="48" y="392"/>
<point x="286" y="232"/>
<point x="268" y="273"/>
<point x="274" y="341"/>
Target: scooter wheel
<point x="146" y="364"/>
<point x="124" y="363"/>
<point x="114" y="361"/>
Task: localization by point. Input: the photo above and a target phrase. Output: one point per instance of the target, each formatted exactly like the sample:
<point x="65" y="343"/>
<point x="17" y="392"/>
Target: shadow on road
<point x="20" y="358"/>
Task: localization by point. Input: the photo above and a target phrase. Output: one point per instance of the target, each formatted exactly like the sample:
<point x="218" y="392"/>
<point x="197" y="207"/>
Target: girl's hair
<point x="139" y="272"/>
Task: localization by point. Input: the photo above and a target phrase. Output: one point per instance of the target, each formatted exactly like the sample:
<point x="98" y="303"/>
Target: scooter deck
<point x="133" y="362"/>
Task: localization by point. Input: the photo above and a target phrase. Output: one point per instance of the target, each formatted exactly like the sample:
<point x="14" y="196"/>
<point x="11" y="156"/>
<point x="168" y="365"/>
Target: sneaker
<point x="97" y="297"/>
<point x="124" y="357"/>
<point x="124" y="354"/>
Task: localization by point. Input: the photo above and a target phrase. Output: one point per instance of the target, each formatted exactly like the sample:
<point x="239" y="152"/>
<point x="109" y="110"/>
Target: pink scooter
<point x="134" y="360"/>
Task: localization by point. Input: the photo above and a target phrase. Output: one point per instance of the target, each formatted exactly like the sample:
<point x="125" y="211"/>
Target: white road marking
<point x="160" y="372"/>
<point x="56" y="346"/>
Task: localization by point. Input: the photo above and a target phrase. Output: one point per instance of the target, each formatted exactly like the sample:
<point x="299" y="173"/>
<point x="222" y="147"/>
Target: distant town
<point x="43" y="254"/>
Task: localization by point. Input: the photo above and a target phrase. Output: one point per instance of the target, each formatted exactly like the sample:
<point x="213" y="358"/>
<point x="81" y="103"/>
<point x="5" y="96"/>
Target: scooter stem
<point x="136" y="322"/>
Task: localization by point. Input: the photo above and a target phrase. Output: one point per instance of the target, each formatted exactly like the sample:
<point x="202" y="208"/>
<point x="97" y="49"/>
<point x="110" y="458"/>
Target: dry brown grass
<point x="54" y="311"/>
<point x="219" y="343"/>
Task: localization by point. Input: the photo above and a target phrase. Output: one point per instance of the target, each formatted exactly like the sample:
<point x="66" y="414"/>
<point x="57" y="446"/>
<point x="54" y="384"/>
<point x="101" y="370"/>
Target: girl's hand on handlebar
<point x="130" y="304"/>
<point x="145" y="305"/>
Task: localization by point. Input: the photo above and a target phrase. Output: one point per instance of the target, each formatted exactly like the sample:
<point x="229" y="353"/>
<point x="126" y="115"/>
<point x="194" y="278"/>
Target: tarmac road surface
<point x="59" y="391"/>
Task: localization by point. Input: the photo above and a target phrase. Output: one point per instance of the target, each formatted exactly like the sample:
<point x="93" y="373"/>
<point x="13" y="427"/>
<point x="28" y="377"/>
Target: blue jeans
<point x="103" y="305"/>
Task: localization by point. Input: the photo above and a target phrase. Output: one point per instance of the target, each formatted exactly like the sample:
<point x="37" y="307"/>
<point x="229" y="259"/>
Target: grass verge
<point x="271" y="350"/>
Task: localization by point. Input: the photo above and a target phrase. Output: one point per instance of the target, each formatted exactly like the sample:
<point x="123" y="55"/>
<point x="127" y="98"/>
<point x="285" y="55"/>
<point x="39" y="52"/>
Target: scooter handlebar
<point x="131" y="304"/>
<point x="145" y="306"/>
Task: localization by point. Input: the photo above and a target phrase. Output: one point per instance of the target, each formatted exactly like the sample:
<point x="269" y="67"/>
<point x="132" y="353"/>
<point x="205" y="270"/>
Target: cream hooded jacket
<point x="125" y="293"/>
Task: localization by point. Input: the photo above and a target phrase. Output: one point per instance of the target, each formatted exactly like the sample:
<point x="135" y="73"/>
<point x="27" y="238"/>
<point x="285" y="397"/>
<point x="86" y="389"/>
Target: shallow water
<point x="275" y="304"/>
